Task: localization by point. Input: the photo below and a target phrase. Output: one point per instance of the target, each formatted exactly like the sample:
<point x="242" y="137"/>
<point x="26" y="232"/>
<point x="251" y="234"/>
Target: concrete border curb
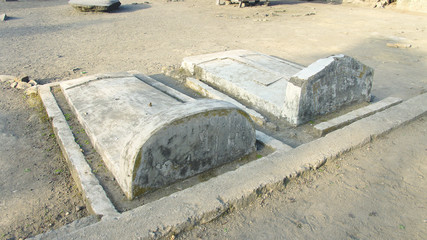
<point x="95" y="197"/>
<point x="208" y="200"/>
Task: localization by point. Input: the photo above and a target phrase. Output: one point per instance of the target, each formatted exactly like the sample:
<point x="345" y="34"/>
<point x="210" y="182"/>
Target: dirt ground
<point x="50" y="41"/>
<point x="37" y="192"/>
<point x="376" y="192"/>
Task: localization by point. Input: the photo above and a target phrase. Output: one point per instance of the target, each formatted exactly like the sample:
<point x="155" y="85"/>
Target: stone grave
<point x="149" y="138"/>
<point x="281" y="88"/>
<point x="95" y="5"/>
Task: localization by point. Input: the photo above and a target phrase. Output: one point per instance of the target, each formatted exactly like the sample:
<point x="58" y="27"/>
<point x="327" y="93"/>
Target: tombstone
<point x="150" y="138"/>
<point x="281" y="88"/>
<point x="95" y="5"/>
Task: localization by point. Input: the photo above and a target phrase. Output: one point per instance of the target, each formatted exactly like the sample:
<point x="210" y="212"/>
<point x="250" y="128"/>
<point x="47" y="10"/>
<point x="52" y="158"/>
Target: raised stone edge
<point x="326" y="127"/>
<point x="94" y="195"/>
<point x="209" y="200"/>
<point x="207" y="91"/>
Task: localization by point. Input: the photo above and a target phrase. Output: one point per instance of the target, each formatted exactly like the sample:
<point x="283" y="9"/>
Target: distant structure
<point x="95" y="5"/>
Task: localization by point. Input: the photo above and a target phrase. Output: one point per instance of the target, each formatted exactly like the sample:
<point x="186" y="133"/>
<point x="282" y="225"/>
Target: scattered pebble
<point x="13" y="85"/>
<point x="399" y="45"/>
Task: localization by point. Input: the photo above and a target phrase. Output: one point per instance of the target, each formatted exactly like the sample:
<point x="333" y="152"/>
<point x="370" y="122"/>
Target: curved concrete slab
<point x="149" y="139"/>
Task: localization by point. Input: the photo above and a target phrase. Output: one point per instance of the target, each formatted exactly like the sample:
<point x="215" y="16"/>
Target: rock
<point x="23" y="85"/>
<point x="7" y="78"/>
<point x="399" y="45"/>
<point x="95" y="5"/>
<point x="13" y="85"/>
<point x="31" y="91"/>
<point x="33" y="83"/>
<point x="3" y="17"/>
<point x="79" y="208"/>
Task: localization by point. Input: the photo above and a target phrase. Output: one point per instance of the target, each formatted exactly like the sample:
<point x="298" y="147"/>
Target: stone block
<point x="346" y="119"/>
<point x="95" y="5"/>
<point x="149" y="139"/>
<point x="282" y="88"/>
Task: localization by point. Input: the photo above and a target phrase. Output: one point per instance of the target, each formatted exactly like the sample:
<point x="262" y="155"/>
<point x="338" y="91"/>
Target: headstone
<point x="148" y="138"/>
<point x="282" y="88"/>
<point x="95" y="5"/>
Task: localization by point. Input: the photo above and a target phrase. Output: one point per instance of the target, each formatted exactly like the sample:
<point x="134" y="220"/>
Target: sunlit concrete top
<point x="148" y="138"/>
<point x="282" y="88"/>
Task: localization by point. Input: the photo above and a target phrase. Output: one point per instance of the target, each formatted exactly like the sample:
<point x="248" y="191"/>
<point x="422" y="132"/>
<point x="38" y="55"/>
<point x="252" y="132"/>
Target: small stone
<point x="79" y="208"/>
<point x="13" y="85"/>
<point x="23" y="85"/>
<point x="7" y="78"/>
<point x="33" y="83"/>
<point x="3" y="17"/>
<point x="399" y="45"/>
<point x="67" y="213"/>
<point x="31" y="91"/>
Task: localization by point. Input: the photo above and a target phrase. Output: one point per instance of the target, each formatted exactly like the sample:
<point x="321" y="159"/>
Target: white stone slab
<point x="282" y="88"/>
<point x="346" y="119"/>
<point x="210" y="92"/>
<point x="149" y="139"/>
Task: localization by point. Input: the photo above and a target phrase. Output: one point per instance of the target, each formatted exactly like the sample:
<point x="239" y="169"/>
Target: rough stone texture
<point x="95" y="197"/>
<point x="412" y="5"/>
<point x="281" y="88"/>
<point x="325" y="86"/>
<point x="208" y="200"/>
<point x="148" y="138"/>
<point x="95" y="5"/>
<point x="341" y="121"/>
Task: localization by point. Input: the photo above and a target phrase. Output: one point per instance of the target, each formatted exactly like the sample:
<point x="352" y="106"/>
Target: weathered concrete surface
<point x="149" y="139"/>
<point x="343" y="120"/>
<point x="251" y="77"/>
<point x="284" y="89"/>
<point x="208" y="200"/>
<point x="96" y="199"/>
<point x="207" y="91"/>
<point x="95" y="5"/>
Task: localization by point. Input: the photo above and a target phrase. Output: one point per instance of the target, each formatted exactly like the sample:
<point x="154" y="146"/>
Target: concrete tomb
<point x="95" y="5"/>
<point x="149" y="138"/>
<point x="282" y="88"/>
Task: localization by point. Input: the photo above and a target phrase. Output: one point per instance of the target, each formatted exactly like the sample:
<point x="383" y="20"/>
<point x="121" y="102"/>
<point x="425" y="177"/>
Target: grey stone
<point x="23" y="85"/>
<point x="282" y="88"/>
<point x="346" y="119"/>
<point x="149" y="139"/>
<point x="13" y="84"/>
<point x="3" y="17"/>
<point x="95" y="5"/>
<point x="32" y="82"/>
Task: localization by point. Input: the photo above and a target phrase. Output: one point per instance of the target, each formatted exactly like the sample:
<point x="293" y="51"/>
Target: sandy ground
<point x="50" y="41"/>
<point x="376" y="192"/>
<point x="37" y="192"/>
